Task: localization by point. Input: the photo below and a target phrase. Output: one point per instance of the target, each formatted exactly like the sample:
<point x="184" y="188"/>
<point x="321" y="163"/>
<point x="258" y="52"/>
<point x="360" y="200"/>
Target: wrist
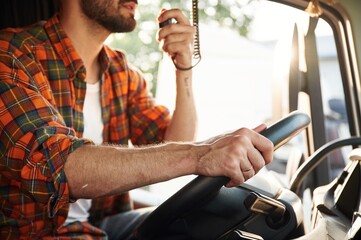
<point x="186" y="65"/>
<point x="196" y="156"/>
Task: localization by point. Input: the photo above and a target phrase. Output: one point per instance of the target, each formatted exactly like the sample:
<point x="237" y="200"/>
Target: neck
<point x="87" y="38"/>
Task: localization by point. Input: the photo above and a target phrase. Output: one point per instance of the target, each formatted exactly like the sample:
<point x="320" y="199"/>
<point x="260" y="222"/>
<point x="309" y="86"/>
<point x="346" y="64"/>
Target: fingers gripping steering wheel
<point x="202" y="188"/>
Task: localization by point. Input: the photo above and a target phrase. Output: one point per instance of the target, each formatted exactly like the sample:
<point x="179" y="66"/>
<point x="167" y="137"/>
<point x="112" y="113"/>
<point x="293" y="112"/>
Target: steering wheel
<point x="202" y="188"/>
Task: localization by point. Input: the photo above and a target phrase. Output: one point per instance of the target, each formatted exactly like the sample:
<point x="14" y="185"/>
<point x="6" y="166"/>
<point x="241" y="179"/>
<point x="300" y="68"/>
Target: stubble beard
<point x="103" y="13"/>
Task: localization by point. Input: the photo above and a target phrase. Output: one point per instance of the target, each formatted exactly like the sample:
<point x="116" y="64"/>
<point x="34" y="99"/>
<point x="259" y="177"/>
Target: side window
<point x="336" y="122"/>
<point x="244" y="81"/>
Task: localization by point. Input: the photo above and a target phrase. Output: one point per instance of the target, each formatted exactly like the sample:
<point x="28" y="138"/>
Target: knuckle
<point x="192" y="31"/>
<point x="231" y="165"/>
<point x="243" y="138"/>
<point x="258" y="165"/>
<point x="269" y="144"/>
<point x="243" y="131"/>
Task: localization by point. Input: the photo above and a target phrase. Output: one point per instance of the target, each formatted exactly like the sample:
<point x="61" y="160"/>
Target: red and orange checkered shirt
<point x="42" y="92"/>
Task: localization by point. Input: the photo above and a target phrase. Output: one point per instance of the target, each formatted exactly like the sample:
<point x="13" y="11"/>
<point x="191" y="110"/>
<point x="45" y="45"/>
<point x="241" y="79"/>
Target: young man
<point x="69" y="105"/>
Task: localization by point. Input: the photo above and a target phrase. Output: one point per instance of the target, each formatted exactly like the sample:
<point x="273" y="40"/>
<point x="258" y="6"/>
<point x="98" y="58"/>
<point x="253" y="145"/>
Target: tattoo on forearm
<point x="187" y="86"/>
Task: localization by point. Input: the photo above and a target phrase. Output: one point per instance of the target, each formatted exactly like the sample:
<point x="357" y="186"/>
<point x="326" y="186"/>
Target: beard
<point x="104" y="13"/>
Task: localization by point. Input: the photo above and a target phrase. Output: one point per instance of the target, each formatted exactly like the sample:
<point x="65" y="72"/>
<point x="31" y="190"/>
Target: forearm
<point x="184" y="120"/>
<point x="94" y="171"/>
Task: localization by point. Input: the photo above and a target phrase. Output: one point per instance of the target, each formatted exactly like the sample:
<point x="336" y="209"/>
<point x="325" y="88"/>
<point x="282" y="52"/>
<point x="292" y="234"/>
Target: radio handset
<point x="195" y="21"/>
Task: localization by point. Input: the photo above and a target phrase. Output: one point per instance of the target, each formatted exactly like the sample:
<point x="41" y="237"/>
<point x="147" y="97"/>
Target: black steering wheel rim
<point x="203" y="188"/>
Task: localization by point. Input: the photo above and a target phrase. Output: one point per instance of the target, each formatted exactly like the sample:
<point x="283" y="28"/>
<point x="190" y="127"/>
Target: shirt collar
<point x="64" y="48"/>
<point x="104" y="58"/>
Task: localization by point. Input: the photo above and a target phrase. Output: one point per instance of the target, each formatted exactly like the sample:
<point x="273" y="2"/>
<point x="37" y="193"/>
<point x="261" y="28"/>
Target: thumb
<point x="260" y="128"/>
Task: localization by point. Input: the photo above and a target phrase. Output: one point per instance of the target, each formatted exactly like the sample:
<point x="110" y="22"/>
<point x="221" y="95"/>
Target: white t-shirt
<point x="93" y="129"/>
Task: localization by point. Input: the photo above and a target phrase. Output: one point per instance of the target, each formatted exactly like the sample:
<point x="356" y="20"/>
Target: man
<point x="69" y="104"/>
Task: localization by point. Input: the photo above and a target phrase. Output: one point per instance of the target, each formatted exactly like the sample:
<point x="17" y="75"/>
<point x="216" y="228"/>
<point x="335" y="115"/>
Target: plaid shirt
<point x="41" y="122"/>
